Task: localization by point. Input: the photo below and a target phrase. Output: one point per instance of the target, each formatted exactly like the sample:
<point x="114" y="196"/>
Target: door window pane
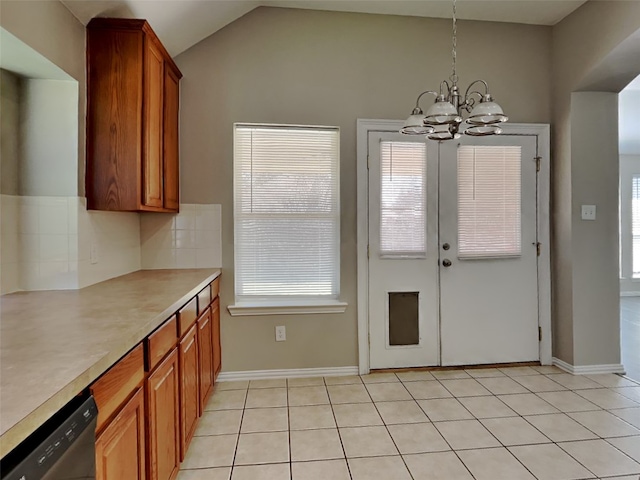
<point x="635" y="224"/>
<point x="403" y="318"/>
<point x="402" y="198"/>
<point x="489" y="210"/>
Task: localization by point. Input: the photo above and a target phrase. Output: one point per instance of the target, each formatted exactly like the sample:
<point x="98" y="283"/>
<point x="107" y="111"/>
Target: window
<point x="403" y="198"/>
<point x="489" y="210"/>
<point x="286" y="213"/>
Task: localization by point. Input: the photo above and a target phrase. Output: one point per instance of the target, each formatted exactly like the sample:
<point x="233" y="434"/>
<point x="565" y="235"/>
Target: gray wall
<point x="594" y="170"/>
<point x="49" y="138"/>
<point x="329" y="68"/>
<point x="10" y="94"/>
<point x="51" y="30"/>
<point x="594" y="49"/>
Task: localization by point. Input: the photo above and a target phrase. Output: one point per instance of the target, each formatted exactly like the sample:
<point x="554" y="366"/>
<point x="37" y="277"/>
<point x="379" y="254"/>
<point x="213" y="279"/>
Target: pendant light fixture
<point x="443" y="119"/>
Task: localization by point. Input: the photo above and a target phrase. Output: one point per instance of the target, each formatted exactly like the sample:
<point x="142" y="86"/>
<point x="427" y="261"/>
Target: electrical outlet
<point x="281" y="333"/>
<point x="588" y="212"/>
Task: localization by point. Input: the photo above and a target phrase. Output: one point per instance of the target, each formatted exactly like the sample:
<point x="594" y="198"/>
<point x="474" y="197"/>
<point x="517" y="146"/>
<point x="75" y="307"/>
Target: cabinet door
<point x="171" y="145"/>
<point x="114" y="109"/>
<point x="152" y="126"/>
<point x="215" y="330"/>
<point x="164" y="422"/>
<point x="189" y="393"/>
<point x="205" y="348"/>
<point x="120" y="449"/>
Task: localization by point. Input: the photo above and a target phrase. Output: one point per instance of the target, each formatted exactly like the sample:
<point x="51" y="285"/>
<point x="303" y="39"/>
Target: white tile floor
<point x="511" y="423"/>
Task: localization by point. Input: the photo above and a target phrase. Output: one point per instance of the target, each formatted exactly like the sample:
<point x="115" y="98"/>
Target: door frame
<point x="541" y="131"/>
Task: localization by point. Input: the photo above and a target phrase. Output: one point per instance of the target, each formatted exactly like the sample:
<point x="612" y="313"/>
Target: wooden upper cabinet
<point x="171" y="145"/>
<point x="132" y="119"/>
<point x="153" y="117"/>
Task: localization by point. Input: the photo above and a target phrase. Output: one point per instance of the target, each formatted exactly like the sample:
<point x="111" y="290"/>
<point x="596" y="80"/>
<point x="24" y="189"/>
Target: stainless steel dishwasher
<point x="62" y="449"/>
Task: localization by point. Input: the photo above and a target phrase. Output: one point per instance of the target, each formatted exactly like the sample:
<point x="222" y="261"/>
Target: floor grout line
<point x="289" y="433"/>
<point x="368" y="386"/>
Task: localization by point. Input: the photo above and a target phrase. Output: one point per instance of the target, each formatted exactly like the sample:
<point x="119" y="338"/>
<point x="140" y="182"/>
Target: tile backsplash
<point x="9" y="248"/>
<point x="108" y="243"/>
<point x="56" y="243"/>
<point x="189" y="239"/>
<point x="47" y="239"/>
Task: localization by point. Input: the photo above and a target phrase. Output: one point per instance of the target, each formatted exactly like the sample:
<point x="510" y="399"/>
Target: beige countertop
<point x="53" y="344"/>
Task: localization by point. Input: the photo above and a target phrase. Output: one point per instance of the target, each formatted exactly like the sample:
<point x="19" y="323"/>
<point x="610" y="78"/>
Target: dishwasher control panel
<point x="58" y="449"/>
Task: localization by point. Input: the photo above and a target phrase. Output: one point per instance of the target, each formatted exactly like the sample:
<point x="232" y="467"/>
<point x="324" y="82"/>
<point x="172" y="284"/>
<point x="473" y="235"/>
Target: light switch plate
<point x="588" y="212"/>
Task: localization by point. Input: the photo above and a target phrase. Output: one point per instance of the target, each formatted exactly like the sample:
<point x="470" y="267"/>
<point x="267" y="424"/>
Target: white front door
<point x="452" y="251"/>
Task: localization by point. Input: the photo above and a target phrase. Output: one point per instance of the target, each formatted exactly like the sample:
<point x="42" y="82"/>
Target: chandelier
<point x="444" y="117"/>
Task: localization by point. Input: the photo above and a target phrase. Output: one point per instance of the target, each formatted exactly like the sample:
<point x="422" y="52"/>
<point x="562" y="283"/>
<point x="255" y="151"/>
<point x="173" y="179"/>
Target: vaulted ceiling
<point x="181" y="24"/>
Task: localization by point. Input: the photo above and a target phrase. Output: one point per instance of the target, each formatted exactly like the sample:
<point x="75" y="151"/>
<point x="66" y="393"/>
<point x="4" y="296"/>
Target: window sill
<point x="242" y="309"/>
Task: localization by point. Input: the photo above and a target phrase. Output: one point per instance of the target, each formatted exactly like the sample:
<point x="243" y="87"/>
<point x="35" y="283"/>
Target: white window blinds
<point x="402" y="198"/>
<point x="635" y="224"/>
<point x="286" y="211"/>
<point x="489" y="210"/>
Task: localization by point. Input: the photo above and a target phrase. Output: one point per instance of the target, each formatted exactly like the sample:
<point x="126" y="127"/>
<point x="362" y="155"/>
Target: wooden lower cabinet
<point x="146" y="421"/>
<point x="120" y="448"/>
<point x="189" y="391"/>
<point x="205" y="352"/>
<point x="163" y="415"/>
<point x="215" y="330"/>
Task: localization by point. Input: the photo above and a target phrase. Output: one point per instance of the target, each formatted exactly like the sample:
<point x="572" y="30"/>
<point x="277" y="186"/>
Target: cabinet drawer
<point x="215" y="288"/>
<point x="112" y="389"/>
<point x="160" y="342"/>
<point x="187" y="316"/>
<point x="204" y="299"/>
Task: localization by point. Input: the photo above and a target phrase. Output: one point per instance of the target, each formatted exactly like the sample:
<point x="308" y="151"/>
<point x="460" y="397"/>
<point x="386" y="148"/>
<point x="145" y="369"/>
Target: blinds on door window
<point x="489" y="210"/>
<point x="286" y="211"/>
<point x="403" y="198"/>
<point x="635" y="224"/>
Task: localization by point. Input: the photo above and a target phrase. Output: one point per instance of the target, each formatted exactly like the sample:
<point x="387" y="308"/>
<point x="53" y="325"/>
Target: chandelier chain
<point x="454" y="76"/>
<point x="444" y="119"/>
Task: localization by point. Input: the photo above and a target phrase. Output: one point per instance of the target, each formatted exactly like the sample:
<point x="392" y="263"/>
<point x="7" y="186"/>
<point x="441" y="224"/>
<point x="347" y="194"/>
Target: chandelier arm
<point x="424" y="93"/>
<point x="444" y="82"/>
<point x="469" y="101"/>
<point x="486" y="89"/>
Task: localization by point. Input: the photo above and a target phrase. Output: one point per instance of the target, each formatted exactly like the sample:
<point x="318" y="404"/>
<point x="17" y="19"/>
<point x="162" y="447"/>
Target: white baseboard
<point x="588" y="369"/>
<point x="292" y="373"/>
<point x="630" y="294"/>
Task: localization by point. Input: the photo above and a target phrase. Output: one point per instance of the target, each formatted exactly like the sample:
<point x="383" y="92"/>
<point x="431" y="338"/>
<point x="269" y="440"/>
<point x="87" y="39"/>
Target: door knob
<point x="446" y="262"/>
<point x="446" y="246"/>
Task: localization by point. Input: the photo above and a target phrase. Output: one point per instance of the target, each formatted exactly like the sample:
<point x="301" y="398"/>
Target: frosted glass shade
<point x="483" y="130"/>
<point x="487" y="113"/>
<point x="414" y="125"/>
<point x="443" y="133"/>
<point x="442" y="113"/>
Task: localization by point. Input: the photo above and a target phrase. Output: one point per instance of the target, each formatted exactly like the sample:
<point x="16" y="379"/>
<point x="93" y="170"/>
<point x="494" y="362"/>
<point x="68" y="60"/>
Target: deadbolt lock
<point x="446" y="246"/>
